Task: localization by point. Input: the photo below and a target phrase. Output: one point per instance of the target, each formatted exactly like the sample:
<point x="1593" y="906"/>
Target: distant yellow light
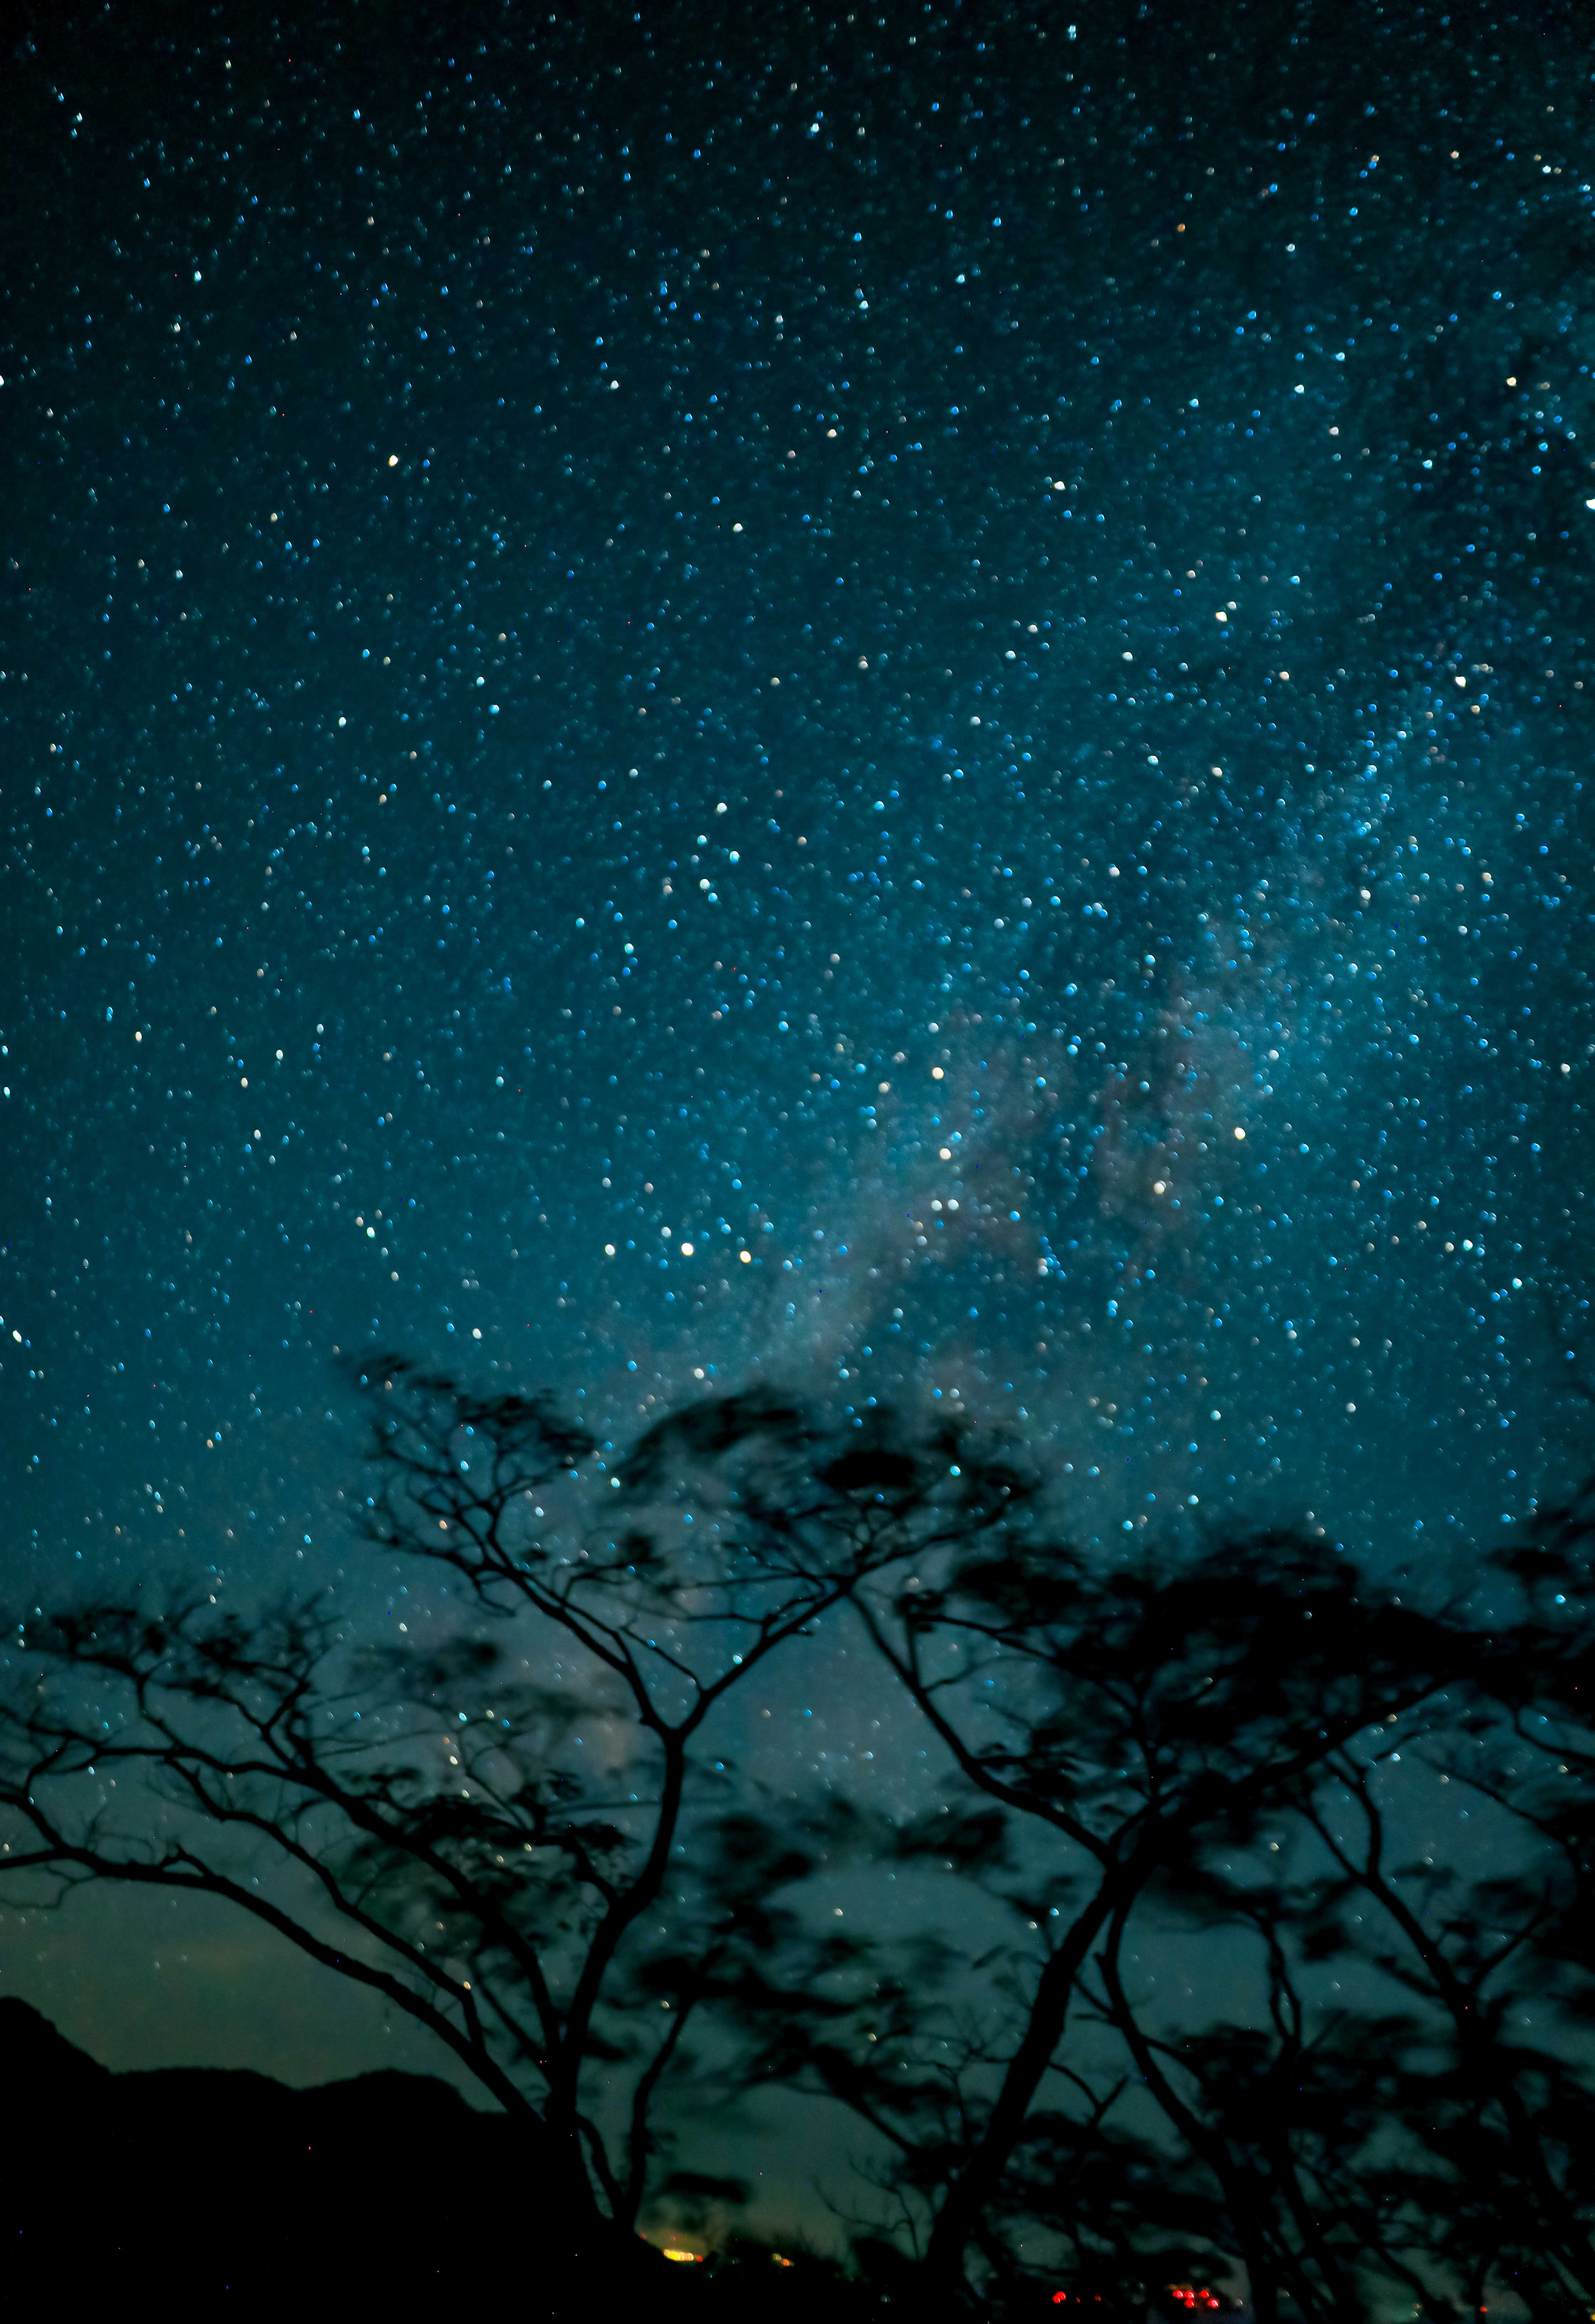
<point x="1240" y="1133"/>
<point x="746" y="1256"/>
<point x="671" y="2252"/>
<point x="686" y="1251"/>
<point x="936" y="1073"/>
<point x="393" y="459"/>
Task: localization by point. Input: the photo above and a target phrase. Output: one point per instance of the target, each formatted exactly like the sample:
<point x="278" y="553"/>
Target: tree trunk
<point x="971" y="2192"/>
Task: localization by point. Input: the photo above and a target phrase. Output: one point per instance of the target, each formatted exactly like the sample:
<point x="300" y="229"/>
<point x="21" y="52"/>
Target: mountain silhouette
<point x="197" y="2182"/>
<point x="205" y="2180"/>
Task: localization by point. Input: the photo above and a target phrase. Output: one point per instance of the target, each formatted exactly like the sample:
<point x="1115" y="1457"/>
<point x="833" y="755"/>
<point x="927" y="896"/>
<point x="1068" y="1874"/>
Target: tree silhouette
<point x="479" y="1828"/>
<point x="1494" y="1959"/>
<point x="1128" y="1725"/>
<point x="1439" y="2144"/>
<point x="523" y="1827"/>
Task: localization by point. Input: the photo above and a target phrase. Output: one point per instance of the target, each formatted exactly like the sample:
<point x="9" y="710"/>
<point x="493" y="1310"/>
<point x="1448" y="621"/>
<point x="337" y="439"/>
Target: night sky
<point x="895" y="702"/>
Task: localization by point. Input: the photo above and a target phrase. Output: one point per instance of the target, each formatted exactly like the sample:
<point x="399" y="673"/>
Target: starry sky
<point x="894" y="701"/>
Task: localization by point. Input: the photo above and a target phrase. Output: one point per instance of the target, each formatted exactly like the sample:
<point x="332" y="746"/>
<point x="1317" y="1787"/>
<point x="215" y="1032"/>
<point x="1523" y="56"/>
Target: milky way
<point x="897" y="710"/>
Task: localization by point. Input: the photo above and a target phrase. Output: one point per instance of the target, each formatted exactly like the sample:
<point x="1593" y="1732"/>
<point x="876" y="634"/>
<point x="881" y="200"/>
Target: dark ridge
<point x="191" y="2183"/>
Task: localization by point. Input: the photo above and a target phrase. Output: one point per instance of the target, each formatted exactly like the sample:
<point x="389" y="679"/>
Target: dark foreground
<point x="198" y="2187"/>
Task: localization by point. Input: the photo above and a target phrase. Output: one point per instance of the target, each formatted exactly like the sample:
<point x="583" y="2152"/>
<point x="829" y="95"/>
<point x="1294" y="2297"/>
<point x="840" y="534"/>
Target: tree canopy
<point x="1179" y="1974"/>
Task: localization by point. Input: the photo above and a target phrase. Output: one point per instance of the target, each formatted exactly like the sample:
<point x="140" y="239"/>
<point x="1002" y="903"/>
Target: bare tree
<point x="514" y="1833"/>
<point x="523" y="1826"/>
<point x="1492" y="1952"/>
<point x="1125" y="1721"/>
